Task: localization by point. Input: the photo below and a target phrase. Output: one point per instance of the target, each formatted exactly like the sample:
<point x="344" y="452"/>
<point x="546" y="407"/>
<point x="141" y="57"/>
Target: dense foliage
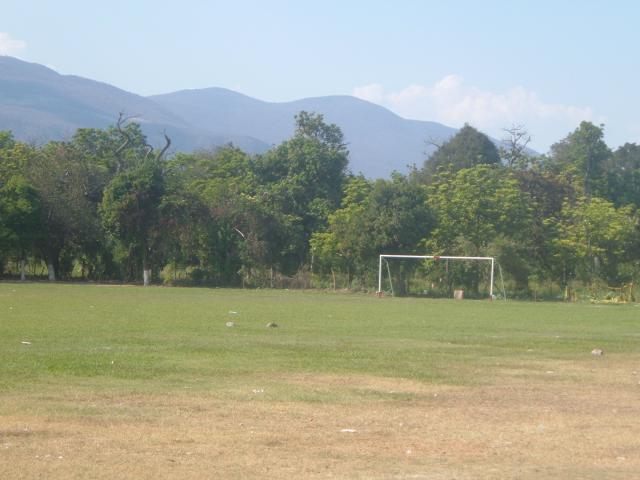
<point x="106" y="206"/>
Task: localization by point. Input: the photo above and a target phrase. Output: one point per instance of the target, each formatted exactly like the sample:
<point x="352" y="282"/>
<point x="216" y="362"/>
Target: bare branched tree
<point x="166" y="146"/>
<point x="514" y="147"/>
<point x="433" y="143"/>
<point x="127" y="140"/>
<point x="122" y="122"/>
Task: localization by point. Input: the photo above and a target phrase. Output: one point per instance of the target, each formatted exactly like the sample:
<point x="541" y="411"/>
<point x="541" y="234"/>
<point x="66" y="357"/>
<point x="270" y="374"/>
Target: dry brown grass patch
<point x="580" y="425"/>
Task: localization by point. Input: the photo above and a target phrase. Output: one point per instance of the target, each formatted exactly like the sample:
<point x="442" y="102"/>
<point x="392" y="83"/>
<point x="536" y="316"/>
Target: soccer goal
<point x="435" y="259"/>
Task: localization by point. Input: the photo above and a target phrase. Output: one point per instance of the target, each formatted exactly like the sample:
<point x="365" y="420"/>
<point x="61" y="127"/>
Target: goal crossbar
<point x="437" y="257"/>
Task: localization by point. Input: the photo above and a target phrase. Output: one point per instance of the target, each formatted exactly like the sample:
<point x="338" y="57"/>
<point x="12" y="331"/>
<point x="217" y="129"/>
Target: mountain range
<point x="37" y="104"/>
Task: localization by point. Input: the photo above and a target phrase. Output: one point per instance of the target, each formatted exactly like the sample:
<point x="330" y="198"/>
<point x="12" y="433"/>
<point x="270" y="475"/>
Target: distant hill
<point x="379" y="140"/>
<point x="38" y="105"/>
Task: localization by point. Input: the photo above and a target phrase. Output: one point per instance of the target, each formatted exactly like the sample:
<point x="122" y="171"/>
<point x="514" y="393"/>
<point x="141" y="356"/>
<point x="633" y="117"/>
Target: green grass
<point x="162" y="340"/>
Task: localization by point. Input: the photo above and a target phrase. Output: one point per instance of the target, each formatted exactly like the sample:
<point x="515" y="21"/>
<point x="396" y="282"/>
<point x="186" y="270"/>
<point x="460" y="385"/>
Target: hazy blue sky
<point x="546" y="64"/>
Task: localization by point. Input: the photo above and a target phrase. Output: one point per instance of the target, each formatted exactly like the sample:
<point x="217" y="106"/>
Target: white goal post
<point x="437" y="257"/>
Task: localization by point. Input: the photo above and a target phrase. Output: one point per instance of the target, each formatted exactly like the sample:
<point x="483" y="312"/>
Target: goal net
<point x="436" y="276"/>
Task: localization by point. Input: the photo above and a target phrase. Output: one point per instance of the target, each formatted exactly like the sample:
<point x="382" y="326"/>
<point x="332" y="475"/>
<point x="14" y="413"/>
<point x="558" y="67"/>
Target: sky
<point x="546" y="65"/>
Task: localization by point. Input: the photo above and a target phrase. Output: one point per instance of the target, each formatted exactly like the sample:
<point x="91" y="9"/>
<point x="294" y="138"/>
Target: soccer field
<point x="129" y="382"/>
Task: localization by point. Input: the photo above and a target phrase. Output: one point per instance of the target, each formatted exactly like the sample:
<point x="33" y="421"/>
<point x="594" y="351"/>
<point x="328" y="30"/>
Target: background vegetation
<point x="106" y="206"/>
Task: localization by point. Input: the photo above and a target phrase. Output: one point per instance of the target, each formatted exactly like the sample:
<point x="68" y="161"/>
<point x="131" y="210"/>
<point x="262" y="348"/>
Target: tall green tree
<point x="385" y="216"/>
<point x="592" y="238"/>
<point x="61" y="176"/>
<point x="242" y="233"/>
<point x="131" y="212"/>
<point x="20" y="215"/>
<point x="19" y="203"/>
<point x="465" y="149"/>
<point x="582" y="156"/>
<point x="623" y="176"/>
<point x="303" y="179"/>
<point x="347" y="244"/>
<point x="547" y="194"/>
<point x="475" y="207"/>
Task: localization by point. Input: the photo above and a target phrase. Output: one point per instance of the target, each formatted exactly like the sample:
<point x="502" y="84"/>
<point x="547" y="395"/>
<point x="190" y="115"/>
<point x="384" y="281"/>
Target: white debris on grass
<point x="230" y="324"/>
<point x="233" y="312"/>
<point x="258" y="390"/>
<point x="26" y="343"/>
<point x="347" y="430"/>
<point x="48" y="455"/>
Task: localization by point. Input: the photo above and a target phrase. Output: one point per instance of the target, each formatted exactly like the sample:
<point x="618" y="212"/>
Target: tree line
<point x="106" y="206"/>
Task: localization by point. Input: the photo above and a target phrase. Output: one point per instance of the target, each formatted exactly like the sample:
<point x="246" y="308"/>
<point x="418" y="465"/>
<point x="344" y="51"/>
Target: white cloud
<point x="11" y="46"/>
<point x="372" y="93"/>
<point x="452" y="102"/>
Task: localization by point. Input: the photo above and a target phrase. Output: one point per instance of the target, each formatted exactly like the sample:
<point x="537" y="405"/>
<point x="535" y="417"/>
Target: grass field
<point x="126" y="382"/>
